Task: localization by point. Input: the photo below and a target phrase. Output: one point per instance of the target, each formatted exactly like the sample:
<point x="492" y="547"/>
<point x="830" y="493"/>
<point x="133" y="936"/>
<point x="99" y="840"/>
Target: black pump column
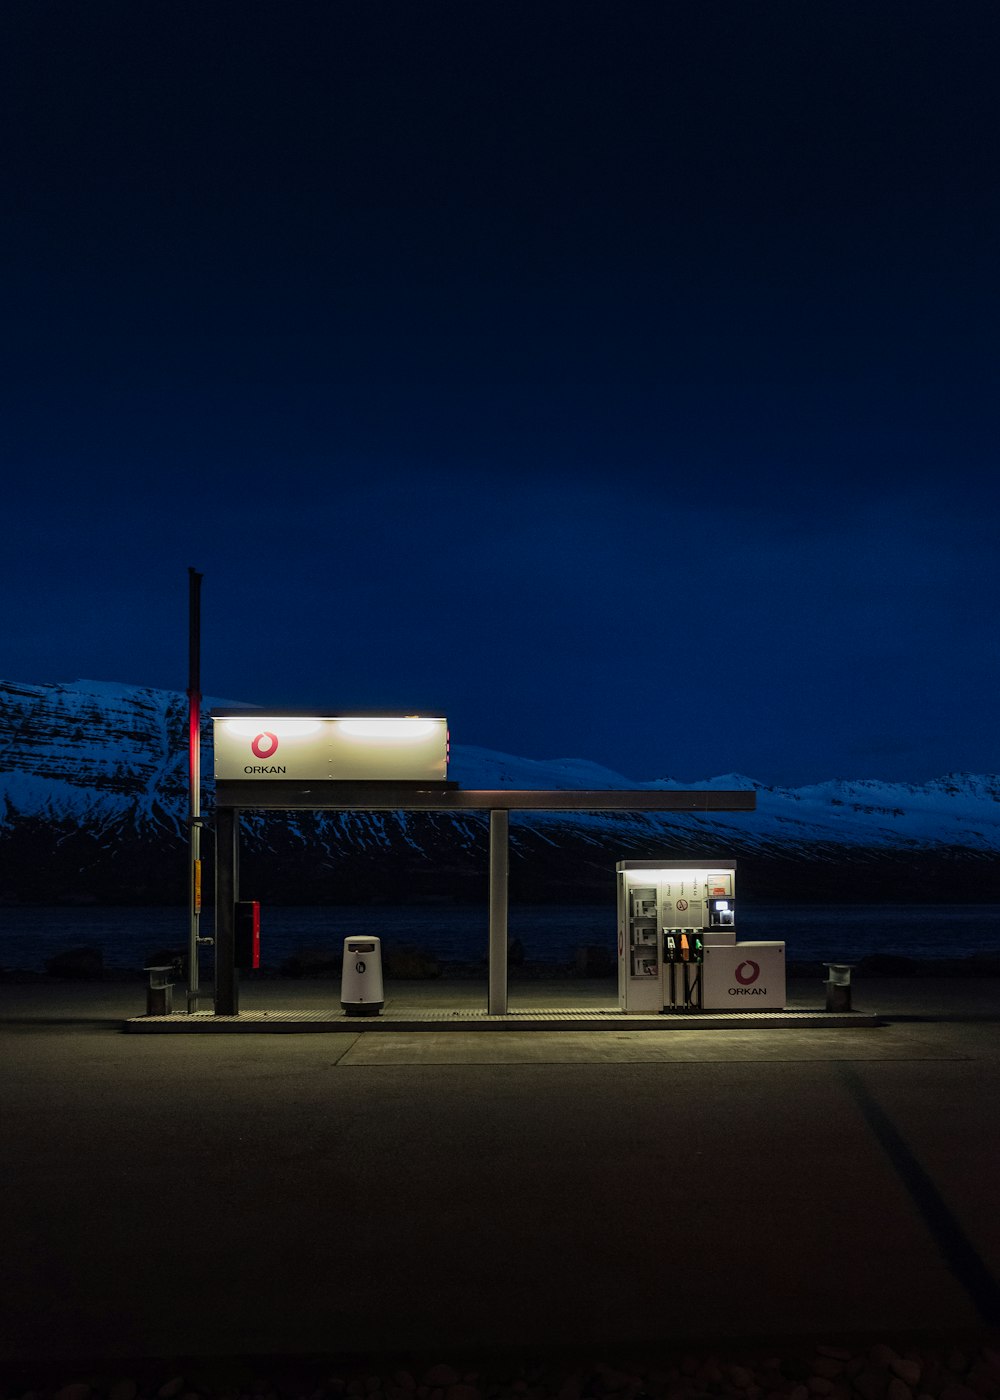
<point x="227" y="886"/>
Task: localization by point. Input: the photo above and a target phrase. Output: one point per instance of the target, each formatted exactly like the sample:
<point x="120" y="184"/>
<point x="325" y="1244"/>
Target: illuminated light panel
<point x="411" y="727"/>
<point x="651" y="876"/>
<point x="283" y="728"/>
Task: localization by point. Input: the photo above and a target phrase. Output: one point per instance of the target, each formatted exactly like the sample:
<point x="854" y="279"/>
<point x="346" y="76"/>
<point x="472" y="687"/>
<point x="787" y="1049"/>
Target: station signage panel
<point x="331" y="747"/>
<point x="744" y="976"/>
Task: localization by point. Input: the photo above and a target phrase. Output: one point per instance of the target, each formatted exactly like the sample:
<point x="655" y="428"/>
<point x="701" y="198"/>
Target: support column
<point x="194" y="787"/>
<point x="227" y="987"/>
<point x="499" y="861"/>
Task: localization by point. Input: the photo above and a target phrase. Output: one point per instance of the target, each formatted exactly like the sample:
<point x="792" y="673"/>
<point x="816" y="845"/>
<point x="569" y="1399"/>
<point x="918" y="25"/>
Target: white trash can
<point x="361" y="991"/>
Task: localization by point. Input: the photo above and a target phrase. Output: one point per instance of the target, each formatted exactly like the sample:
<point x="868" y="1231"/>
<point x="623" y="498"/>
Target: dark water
<point x="548" y="933"/>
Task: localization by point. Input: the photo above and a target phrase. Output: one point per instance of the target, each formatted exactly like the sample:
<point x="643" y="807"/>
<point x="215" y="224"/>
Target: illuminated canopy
<point x="278" y="747"/>
<point x="383" y="763"/>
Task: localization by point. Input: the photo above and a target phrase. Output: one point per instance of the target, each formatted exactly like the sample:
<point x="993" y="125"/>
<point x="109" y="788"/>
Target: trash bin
<point x="361" y="979"/>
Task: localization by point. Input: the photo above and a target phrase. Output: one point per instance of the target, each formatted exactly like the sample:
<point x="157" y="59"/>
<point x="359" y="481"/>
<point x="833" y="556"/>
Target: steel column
<point x="499" y="862"/>
<point x="194" y="785"/>
<point x="227" y="986"/>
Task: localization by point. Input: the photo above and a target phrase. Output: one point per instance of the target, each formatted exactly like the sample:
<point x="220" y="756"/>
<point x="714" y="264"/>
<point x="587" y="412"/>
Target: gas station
<point x="678" y="956"/>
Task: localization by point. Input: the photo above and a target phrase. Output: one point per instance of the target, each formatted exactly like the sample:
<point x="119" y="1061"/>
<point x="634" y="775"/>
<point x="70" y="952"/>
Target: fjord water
<point x="547" y="933"/>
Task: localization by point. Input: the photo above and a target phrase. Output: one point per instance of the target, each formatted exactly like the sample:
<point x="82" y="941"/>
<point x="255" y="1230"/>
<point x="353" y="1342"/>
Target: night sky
<point x="619" y="379"/>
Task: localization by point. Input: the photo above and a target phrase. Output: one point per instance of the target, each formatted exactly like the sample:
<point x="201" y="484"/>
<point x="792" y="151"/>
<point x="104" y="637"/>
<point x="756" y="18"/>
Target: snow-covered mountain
<point x="93" y="802"/>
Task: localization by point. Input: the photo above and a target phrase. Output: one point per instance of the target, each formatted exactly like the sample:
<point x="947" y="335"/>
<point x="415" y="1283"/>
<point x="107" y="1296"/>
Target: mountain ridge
<point x="93" y="806"/>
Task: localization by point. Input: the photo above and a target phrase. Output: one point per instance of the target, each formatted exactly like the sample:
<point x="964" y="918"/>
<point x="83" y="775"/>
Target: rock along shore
<point x="880" y="1371"/>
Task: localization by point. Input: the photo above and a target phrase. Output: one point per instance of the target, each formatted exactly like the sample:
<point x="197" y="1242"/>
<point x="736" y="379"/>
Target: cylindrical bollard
<point x="361" y="991"/>
<point x="838" y="986"/>
<point x="160" y="992"/>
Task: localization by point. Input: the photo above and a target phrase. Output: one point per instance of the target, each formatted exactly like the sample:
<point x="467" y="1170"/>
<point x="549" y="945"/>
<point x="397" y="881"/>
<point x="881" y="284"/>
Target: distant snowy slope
<point x="108" y="762"/>
<point x="483" y="769"/>
<point x="94" y="751"/>
<point x="960" y="809"/>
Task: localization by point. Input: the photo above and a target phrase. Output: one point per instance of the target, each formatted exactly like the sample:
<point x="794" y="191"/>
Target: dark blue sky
<point x="619" y="377"/>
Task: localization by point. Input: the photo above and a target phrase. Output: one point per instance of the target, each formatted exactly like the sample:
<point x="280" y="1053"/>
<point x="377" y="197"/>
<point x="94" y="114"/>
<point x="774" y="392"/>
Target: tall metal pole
<point x="227" y="892"/>
<point x="194" y="783"/>
<point x="496" y="999"/>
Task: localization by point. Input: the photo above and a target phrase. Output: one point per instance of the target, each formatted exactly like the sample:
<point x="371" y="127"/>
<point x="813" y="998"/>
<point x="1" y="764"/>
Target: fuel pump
<point x="669" y="912"/>
<point x="677" y="946"/>
<point x="683" y="953"/>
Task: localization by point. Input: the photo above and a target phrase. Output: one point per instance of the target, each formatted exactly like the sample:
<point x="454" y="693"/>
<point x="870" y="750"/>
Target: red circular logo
<point x="265" y="745"/>
<point x="747" y="972"/>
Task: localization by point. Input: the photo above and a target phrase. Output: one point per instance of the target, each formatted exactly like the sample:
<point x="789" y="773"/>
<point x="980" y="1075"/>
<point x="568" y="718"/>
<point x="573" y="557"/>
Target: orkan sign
<point x="744" y="975"/>
<point x="400" y="747"/>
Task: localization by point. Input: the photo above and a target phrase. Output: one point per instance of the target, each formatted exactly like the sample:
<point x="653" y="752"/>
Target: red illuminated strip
<point x="194" y="737"/>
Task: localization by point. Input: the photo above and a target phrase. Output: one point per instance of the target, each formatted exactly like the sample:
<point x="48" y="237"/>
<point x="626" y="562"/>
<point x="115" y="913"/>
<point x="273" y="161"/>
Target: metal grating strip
<point x="617" y="1020"/>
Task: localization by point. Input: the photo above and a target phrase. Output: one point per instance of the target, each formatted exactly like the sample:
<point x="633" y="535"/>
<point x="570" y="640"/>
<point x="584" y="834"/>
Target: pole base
<point x="159" y="1001"/>
<point x="838" y="997"/>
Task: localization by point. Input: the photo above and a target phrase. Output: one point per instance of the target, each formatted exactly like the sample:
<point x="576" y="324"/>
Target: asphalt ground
<point x="445" y="1194"/>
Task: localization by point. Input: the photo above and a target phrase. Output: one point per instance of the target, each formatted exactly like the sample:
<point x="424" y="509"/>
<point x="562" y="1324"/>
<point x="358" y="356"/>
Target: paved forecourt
<point x="458" y="1193"/>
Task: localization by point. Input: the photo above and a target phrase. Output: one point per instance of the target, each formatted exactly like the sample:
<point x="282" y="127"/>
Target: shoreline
<point x="427" y="968"/>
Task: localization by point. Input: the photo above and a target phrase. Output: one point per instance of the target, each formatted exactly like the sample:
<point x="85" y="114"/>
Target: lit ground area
<point x="458" y="1193"/>
<point x="533" y="1003"/>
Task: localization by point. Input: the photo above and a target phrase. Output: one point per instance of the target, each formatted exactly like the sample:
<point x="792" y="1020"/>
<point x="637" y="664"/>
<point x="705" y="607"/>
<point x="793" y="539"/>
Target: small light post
<point x="838" y="986"/>
<point x="160" y="992"/>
